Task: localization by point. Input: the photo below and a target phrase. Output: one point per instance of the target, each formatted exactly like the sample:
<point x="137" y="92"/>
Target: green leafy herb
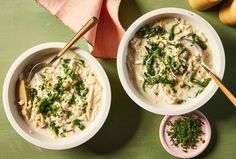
<point x="84" y="107"/>
<point x="66" y="61"/>
<point x="59" y="86"/>
<point x="80" y="63"/>
<point x="155" y="48"/>
<point x="178" y="68"/>
<point x="54" y="127"/>
<point x="171" y="31"/>
<point x="186" y="132"/>
<point x="70" y="72"/>
<point x="196" y="39"/>
<point x="32" y="93"/>
<point x="181" y="47"/>
<point x="202" y="84"/>
<point x="147" y="31"/>
<point x="159" y="79"/>
<point x="78" y="123"/>
<point x="81" y="90"/>
<point x="198" y="92"/>
<point x="41" y="87"/>
<point x="152" y="54"/>
<point x="72" y="100"/>
<point x="51" y="110"/>
<point x="180" y="101"/>
<point x="45" y="105"/>
<point x="151" y="80"/>
<point x="68" y="114"/>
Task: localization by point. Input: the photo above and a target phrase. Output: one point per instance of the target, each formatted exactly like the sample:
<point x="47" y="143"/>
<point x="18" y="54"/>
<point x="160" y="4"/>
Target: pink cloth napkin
<point x="104" y="37"/>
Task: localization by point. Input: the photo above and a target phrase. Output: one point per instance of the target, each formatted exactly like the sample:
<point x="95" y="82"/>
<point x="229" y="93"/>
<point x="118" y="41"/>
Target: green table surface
<point x="129" y="131"/>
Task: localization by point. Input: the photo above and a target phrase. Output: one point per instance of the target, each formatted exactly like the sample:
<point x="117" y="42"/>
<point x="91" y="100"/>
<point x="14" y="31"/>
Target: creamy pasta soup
<point x="63" y="98"/>
<point x="163" y="67"/>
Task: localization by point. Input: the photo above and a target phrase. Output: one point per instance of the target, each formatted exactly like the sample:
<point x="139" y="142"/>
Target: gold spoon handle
<point x="223" y="88"/>
<point x="220" y="84"/>
<point x="213" y="76"/>
<point x="77" y="36"/>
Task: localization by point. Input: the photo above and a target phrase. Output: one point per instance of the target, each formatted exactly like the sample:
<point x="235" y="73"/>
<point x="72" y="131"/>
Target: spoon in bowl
<point x="31" y="70"/>
<point x="211" y="74"/>
<point x="37" y="67"/>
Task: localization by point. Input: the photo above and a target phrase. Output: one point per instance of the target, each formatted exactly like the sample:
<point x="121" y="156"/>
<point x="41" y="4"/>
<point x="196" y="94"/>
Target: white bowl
<point x="19" y="124"/>
<point x="218" y="58"/>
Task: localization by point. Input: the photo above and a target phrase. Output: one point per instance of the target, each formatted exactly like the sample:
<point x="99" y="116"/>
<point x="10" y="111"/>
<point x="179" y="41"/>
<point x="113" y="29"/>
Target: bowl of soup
<point x="160" y="71"/>
<point x="64" y="104"/>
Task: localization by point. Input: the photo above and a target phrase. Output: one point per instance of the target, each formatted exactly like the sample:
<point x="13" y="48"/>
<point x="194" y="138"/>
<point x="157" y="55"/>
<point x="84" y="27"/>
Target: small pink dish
<point x="178" y="151"/>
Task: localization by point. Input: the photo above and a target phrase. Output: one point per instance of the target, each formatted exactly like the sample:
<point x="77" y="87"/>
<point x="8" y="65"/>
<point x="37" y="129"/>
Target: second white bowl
<point x="218" y="59"/>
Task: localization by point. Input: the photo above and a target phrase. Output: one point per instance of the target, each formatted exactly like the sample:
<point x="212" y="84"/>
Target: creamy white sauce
<point x="178" y="62"/>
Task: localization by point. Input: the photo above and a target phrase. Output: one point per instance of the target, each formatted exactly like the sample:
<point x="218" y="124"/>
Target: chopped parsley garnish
<point x="84" y="107"/>
<point x="152" y="53"/>
<point x="177" y="67"/>
<point x="68" y="114"/>
<point x="202" y="84"/>
<point x="70" y="72"/>
<point x="54" y="127"/>
<point x="52" y="110"/>
<point x="58" y="86"/>
<point x="32" y="93"/>
<point x="46" y="106"/>
<point x="181" y="47"/>
<point x="196" y="39"/>
<point x="72" y="100"/>
<point x="81" y="90"/>
<point x="66" y="61"/>
<point x="78" y="123"/>
<point x="80" y="63"/>
<point x="159" y="79"/>
<point x="171" y="32"/>
<point x="147" y="31"/>
<point x="41" y="87"/>
<point x="186" y="132"/>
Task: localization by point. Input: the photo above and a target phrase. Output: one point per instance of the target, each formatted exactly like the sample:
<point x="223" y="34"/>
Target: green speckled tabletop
<point x="129" y="131"/>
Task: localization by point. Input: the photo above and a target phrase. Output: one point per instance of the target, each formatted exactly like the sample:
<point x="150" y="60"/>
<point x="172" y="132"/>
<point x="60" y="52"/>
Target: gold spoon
<point x="22" y="85"/>
<point x="77" y="36"/>
<point x="212" y="75"/>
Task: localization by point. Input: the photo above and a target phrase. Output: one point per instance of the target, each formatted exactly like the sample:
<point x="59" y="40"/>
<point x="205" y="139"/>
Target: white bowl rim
<point x="121" y="63"/>
<point x="23" y="133"/>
